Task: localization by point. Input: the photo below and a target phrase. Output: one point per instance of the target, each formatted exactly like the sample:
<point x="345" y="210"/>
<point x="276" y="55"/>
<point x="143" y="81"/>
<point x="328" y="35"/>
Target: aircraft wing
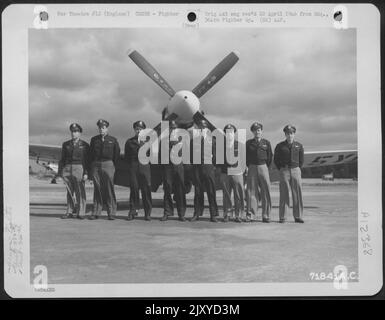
<point x="329" y="158"/>
<point x="122" y="177"/>
<point x="52" y="154"/>
<point x="320" y="159"/>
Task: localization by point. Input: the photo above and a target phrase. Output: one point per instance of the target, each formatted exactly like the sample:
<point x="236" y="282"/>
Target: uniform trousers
<point x="258" y="183"/>
<point x="173" y="181"/>
<point x="233" y="183"/>
<point x="204" y="180"/>
<point x="104" y="193"/>
<point x="290" y="179"/>
<point x="76" y="194"/>
<point x="140" y="180"/>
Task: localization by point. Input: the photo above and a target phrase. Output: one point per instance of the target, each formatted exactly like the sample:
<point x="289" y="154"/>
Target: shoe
<point x="164" y="218"/>
<point x="147" y="218"/>
<point x="130" y="217"/>
<point x="67" y="216"/>
<point x="266" y="220"/>
<point x="182" y="219"/>
<point x="282" y="220"/>
<point x="238" y="219"/>
<point x="298" y="220"/>
<point x="93" y="217"/>
<point x="111" y="218"/>
<point x="226" y="219"/>
<point x="195" y="218"/>
<point x="247" y="219"/>
<point x="80" y="217"/>
<point x="133" y="213"/>
<point x="213" y="219"/>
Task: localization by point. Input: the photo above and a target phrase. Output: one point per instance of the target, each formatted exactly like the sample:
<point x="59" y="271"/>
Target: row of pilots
<point x="81" y="161"/>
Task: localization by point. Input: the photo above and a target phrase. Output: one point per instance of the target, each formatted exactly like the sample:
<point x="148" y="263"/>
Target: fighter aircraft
<point x="184" y="107"/>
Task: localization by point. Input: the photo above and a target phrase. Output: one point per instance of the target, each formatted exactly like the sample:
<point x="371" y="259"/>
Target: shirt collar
<point x="103" y="138"/>
<point x="289" y="143"/>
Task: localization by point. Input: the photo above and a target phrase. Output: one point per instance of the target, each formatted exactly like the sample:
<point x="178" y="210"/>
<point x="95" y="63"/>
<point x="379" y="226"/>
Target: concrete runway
<point x="120" y="251"/>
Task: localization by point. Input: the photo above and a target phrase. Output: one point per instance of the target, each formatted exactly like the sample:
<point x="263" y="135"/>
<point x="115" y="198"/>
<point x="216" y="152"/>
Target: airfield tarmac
<point x="138" y="251"/>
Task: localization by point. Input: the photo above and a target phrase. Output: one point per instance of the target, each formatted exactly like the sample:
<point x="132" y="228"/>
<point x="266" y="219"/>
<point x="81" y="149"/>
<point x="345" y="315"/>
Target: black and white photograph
<point x="192" y="156"/>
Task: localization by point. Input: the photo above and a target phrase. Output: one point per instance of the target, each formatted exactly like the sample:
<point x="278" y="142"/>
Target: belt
<point x="289" y="167"/>
<point x="259" y="163"/>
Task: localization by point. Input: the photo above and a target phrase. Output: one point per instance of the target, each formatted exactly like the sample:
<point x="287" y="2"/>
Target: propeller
<point x="205" y="85"/>
<point x="198" y="116"/>
<point x="216" y="74"/>
<point x="150" y="71"/>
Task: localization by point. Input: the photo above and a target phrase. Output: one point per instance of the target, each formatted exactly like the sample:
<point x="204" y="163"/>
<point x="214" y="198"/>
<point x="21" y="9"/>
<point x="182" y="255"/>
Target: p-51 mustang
<point x="184" y="107"/>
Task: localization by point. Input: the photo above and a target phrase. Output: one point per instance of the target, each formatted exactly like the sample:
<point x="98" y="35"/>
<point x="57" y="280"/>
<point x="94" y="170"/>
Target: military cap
<point x="203" y="123"/>
<point x="75" y="127"/>
<point x="102" y="123"/>
<point x="139" y="124"/>
<point x="255" y="126"/>
<point x="289" y="128"/>
<point x="229" y="126"/>
<point x="172" y="124"/>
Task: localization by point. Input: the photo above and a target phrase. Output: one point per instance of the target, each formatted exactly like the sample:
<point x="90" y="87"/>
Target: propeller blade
<point x="198" y="116"/>
<point x="172" y="116"/>
<point x="216" y="74"/>
<point x="150" y="71"/>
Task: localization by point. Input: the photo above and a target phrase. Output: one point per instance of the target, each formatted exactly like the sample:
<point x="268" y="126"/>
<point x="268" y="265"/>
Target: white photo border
<point x="18" y="19"/>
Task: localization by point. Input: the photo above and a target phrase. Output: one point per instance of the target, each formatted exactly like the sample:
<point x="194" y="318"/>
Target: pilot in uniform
<point x="288" y="157"/>
<point x="73" y="168"/>
<point x="232" y="181"/>
<point x="173" y="180"/>
<point x="140" y="175"/>
<point x="204" y="177"/>
<point x="258" y="159"/>
<point x="104" y="154"/>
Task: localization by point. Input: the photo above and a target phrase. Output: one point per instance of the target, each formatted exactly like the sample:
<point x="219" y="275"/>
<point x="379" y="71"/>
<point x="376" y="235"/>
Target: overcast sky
<point x="306" y="77"/>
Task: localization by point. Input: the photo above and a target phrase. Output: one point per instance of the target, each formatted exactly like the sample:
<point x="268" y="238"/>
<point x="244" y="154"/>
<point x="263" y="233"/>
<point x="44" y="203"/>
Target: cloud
<point x="306" y="77"/>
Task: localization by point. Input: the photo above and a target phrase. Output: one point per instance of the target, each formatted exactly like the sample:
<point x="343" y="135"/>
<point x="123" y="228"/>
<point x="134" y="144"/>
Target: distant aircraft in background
<point x="45" y="156"/>
<point x="184" y="107"/>
<point x="328" y="176"/>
